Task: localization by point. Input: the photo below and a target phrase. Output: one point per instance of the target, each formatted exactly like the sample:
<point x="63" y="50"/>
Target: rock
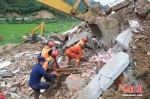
<point x="142" y="7"/>
<point x="75" y="81"/>
<point x="117" y="94"/>
<point x="108" y="93"/>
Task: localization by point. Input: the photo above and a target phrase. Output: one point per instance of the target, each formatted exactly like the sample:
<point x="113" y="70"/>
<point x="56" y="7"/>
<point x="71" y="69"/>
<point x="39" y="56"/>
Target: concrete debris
<point x="107" y="70"/>
<point x="76" y="38"/>
<point x="5" y="64"/>
<point x="106" y="76"/>
<point x="133" y="24"/>
<point x="124" y="38"/>
<point x="75" y="81"/>
<point x="142" y="10"/>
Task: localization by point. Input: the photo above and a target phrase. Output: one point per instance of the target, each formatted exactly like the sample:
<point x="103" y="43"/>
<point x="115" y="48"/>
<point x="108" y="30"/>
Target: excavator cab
<point x="33" y="36"/>
<point x="105" y="29"/>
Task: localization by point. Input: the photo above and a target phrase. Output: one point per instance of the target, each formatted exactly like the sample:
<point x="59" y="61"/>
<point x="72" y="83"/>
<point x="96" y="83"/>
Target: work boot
<point x="77" y="63"/>
<point x="36" y="94"/>
<point x="48" y="92"/>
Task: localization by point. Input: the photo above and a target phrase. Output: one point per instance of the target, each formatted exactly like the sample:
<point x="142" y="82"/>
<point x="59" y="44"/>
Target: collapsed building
<point x="108" y="73"/>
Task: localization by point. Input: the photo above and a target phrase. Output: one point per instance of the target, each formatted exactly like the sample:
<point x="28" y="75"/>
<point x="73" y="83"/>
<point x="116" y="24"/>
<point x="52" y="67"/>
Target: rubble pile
<point x="20" y="59"/>
<point x="140" y="46"/>
<point x="141" y="56"/>
<point x="15" y="68"/>
<point x="123" y="15"/>
<point x="105" y="72"/>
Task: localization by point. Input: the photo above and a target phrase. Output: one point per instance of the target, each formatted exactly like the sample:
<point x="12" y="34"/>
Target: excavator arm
<point x="105" y="29"/>
<point x="39" y="26"/>
<point x="88" y="16"/>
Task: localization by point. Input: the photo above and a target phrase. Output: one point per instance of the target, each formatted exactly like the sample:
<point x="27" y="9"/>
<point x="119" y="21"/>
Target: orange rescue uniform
<point x="45" y="66"/>
<point x="45" y="51"/>
<point x="73" y="52"/>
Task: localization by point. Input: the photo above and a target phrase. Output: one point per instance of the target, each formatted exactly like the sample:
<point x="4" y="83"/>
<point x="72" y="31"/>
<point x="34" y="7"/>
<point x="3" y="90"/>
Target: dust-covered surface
<point x="23" y="57"/>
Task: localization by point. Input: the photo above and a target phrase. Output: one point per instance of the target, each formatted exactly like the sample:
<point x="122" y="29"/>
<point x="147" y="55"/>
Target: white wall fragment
<point x="119" y="62"/>
<point x="5" y="64"/>
<point x="133" y="23"/>
<point x="124" y="38"/>
<point x="106" y="76"/>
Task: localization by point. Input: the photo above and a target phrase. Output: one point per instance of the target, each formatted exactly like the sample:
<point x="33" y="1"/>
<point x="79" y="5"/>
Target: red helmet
<point x="50" y="44"/>
<point x="85" y="39"/>
<point x="55" y="53"/>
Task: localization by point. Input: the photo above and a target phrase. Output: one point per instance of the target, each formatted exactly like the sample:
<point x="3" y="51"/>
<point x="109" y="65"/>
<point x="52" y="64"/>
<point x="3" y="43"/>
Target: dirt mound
<point x="12" y="14"/>
<point x="43" y="14"/>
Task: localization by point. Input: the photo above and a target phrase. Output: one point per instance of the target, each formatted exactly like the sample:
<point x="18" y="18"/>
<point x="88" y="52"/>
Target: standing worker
<point x="83" y="41"/>
<point x="35" y="79"/>
<point x="73" y="52"/>
<point x="46" y="49"/>
<point x="51" y="65"/>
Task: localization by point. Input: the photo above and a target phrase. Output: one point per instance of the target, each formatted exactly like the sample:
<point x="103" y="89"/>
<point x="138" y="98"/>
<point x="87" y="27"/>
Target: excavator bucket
<point x="105" y="29"/>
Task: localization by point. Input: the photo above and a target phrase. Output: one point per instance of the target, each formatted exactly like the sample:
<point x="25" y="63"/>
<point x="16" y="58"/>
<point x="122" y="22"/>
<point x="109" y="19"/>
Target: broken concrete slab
<point x="124" y="38"/>
<point x="20" y="54"/>
<point x="90" y="44"/>
<point x="70" y="31"/>
<point x="5" y="64"/>
<point x="106" y="76"/>
<point x="76" y="38"/>
<point x="57" y="44"/>
<point x="115" y="66"/>
<point x="91" y="89"/>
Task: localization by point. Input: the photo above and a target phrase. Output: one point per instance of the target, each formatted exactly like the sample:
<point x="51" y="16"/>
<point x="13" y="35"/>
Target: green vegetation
<point x="7" y="30"/>
<point x="27" y="7"/>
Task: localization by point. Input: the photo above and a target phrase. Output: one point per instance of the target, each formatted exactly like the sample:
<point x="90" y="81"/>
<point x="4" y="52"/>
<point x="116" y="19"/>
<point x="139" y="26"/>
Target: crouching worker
<point x="73" y="51"/>
<point x="83" y="41"/>
<point x="51" y="65"/>
<point x="35" y="79"/>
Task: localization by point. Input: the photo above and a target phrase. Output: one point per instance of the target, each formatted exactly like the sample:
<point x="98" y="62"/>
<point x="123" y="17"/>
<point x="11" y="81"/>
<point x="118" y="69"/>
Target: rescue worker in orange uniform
<point x="83" y="41"/>
<point x="51" y="65"/>
<point x="46" y="49"/>
<point x="73" y="52"/>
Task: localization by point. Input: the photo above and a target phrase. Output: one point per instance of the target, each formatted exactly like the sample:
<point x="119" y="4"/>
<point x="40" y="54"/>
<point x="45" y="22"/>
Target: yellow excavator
<point x="33" y="36"/>
<point x="106" y="29"/>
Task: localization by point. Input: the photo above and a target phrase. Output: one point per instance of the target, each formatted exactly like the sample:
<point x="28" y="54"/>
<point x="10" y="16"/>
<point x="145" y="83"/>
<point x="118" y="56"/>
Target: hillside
<point x="26" y="7"/>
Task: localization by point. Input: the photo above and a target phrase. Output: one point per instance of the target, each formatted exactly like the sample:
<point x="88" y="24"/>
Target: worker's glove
<point x="58" y="75"/>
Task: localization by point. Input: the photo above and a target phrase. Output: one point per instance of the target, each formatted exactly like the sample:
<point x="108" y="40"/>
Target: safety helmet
<point x="50" y="44"/>
<point x="55" y="53"/>
<point x="85" y="39"/>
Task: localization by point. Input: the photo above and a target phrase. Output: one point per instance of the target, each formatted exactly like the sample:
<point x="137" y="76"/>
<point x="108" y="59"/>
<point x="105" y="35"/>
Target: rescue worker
<point x="27" y="34"/>
<point x="51" y="65"/>
<point x="83" y="41"/>
<point x="35" y="79"/>
<point x="73" y="52"/>
<point x="46" y="49"/>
